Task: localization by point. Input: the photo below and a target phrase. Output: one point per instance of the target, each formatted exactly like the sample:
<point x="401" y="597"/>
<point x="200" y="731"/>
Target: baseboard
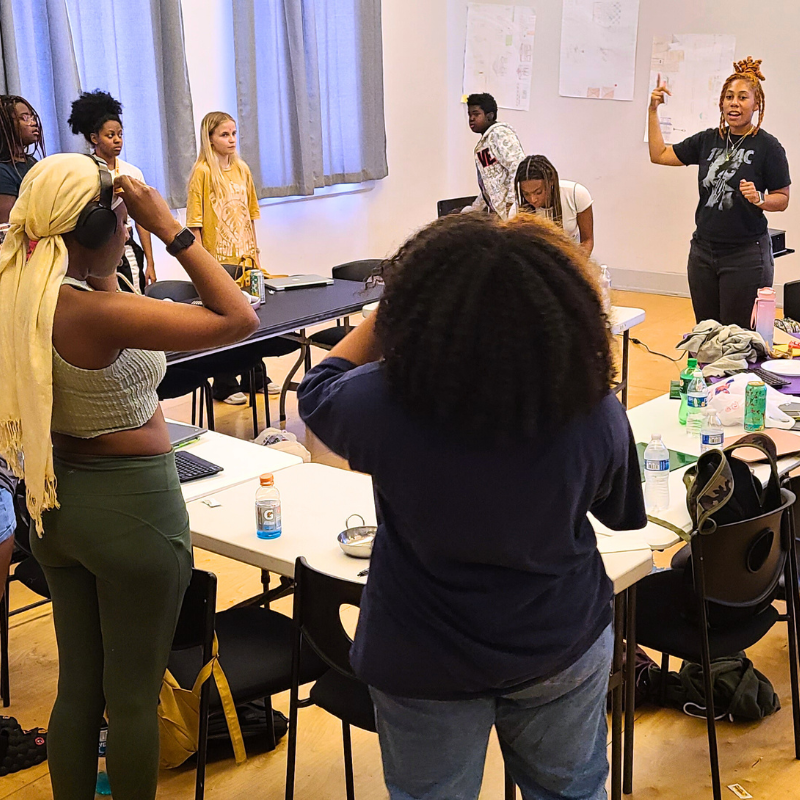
<point x="669" y="283"/>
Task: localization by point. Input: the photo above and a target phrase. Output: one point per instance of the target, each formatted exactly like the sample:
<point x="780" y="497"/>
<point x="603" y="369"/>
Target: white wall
<point x="313" y="235"/>
<point x="643" y="213"/>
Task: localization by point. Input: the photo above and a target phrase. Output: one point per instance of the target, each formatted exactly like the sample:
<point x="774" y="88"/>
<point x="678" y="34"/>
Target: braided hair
<point x="493" y="329"/>
<point x="539" y="168"/>
<point x="11" y="146"/>
<point x="91" y="111"/>
<point x="749" y="70"/>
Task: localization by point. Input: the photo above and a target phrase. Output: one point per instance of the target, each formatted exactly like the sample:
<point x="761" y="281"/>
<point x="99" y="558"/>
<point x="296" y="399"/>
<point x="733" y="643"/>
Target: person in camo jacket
<point x="497" y="156"/>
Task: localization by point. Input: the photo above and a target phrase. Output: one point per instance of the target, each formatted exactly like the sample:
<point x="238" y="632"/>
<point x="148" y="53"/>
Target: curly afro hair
<point x="494" y="329"/>
<point x="91" y="111"/>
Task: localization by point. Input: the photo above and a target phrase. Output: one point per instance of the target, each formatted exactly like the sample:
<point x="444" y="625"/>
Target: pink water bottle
<point x="763" y="319"/>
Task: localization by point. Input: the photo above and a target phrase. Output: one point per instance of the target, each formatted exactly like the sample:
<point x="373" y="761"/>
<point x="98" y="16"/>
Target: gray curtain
<point x="309" y="82"/>
<point x="54" y="49"/>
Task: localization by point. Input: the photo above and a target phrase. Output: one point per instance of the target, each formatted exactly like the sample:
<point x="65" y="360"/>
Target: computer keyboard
<point x="190" y="467"/>
<point x="775" y="381"/>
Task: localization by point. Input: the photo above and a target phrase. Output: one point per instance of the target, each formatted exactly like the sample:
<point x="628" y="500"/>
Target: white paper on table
<point x="694" y="67"/>
<point x="498" y="57"/>
<point x="598" y="49"/>
<point x="627" y="542"/>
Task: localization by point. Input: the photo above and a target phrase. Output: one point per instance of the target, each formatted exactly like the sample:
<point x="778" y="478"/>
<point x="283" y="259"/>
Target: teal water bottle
<point x="686" y="377"/>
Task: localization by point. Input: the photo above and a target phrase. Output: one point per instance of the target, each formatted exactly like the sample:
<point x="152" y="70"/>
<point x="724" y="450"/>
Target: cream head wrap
<point x="51" y="198"/>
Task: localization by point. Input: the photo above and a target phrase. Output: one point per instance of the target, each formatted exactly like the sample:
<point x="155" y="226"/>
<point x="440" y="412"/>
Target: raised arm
<point x="660" y="153"/>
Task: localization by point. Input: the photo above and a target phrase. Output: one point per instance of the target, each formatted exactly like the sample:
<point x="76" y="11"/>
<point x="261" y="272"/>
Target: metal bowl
<point x="357" y="541"/>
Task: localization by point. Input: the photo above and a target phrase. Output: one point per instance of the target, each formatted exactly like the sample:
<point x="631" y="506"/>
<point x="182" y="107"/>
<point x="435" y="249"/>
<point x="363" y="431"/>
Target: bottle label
<point x="712" y="439"/>
<point x="268" y="518"/>
<point x="653" y="465"/>
<point x="697" y="401"/>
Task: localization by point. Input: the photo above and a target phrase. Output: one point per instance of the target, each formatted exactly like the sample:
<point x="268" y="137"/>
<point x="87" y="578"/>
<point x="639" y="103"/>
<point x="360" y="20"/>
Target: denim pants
<point x="8" y="518"/>
<point x="724" y="280"/>
<point x="552" y="734"/>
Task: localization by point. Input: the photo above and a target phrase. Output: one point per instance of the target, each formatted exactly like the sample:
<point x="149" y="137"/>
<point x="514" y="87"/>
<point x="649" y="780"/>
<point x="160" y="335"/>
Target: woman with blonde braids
<point x="743" y="173"/>
<point x="80" y="422"/>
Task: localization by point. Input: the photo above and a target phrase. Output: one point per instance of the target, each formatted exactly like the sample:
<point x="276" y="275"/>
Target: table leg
<point x="625" y="345"/>
<point x="616" y="697"/>
<point x="287" y="383"/>
<point x="630" y="688"/>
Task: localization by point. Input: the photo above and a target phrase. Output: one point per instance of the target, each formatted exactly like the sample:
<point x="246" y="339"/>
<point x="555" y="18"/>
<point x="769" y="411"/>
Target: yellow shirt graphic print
<point x="234" y="229"/>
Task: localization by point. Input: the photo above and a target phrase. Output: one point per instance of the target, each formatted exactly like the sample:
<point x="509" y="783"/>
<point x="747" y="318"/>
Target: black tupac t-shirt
<point x="723" y="214"/>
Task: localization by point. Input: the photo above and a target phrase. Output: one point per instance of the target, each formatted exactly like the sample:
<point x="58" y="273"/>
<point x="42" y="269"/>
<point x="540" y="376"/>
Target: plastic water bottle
<point x="268" y="509"/>
<point x="605" y="288"/>
<point x="103" y="787"/>
<point x="712" y="434"/>
<point x="697" y="400"/>
<point x="656" y="475"/>
<point x="763" y="319"/>
<point x="686" y="378"/>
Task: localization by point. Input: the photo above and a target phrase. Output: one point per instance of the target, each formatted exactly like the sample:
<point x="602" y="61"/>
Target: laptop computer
<point x="180" y="433"/>
<point x="296" y="282"/>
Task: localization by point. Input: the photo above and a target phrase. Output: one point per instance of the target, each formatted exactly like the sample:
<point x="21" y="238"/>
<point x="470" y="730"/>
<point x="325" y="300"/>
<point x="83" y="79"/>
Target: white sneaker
<point x="236" y="399"/>
<point x="273" y="388"/>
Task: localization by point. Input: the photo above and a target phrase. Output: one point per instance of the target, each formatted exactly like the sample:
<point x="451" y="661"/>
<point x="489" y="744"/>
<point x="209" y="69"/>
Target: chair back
<point x="179" y="291"/>
<point x="198" y="612"/>
<point x="22" y="535"/>
<point x="356" y="270"/>
<point x="318" y="599"/>
<point x="453" y="205"/>
<point x="743" y="561"/>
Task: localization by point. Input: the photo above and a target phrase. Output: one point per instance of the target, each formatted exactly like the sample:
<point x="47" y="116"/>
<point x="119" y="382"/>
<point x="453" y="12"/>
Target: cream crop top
<point x="120" y="397"/>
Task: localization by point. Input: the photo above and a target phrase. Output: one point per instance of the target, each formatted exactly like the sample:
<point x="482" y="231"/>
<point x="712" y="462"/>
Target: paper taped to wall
<point x="694" y="67"/>
<point x="498" y="57"/>
<point x="598" y="48"/>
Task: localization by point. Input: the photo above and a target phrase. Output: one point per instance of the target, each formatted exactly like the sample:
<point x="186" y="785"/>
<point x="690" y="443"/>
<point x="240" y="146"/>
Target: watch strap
<point x="182" y="240"/>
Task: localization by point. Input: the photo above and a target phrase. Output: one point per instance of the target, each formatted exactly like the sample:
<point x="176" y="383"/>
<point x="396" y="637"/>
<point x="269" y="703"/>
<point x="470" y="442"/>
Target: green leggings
<point x="117" y="557"/>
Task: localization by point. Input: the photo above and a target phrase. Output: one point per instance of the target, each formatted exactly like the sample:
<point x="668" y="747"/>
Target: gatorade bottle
<point x="686" y="376"/>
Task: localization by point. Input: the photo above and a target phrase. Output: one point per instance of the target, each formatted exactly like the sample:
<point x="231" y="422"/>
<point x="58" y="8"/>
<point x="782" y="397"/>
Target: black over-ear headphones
<point x="98" y="222"/>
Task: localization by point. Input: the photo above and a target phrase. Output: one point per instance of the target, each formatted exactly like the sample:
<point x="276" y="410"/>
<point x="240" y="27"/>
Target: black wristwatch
<point x="184" y="239"/>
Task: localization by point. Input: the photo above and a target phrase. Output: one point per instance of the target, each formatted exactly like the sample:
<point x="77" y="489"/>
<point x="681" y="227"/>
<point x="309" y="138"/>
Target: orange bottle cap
<point x="267" y="479"/>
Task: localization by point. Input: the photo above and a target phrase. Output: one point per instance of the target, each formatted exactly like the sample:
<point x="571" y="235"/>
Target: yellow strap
<point x="226" y="698"/>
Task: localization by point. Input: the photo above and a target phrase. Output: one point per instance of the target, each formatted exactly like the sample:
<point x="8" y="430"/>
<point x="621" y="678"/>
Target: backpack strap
<point x="213" y="667"/>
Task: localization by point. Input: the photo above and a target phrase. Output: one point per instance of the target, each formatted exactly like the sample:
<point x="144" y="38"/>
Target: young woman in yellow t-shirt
<point x="221" y="212"/>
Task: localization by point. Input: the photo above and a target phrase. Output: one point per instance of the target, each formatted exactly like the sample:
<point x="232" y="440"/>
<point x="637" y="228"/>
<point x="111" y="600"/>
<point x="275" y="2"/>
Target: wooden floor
<point x="671" y="753"/>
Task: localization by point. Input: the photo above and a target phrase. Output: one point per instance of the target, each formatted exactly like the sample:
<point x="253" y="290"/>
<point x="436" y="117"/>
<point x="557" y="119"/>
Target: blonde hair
<point x="208" y="156"/>
<point x="749" y="70"/>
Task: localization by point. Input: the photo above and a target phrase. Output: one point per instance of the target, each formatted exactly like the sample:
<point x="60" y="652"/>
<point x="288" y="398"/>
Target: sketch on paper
<point x="499" y="53"/>
<point x="694" y="67"/>
<point x="598" y="48"/>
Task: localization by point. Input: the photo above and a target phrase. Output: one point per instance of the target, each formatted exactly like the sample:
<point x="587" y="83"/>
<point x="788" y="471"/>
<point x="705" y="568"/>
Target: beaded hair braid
<point x="10" y="142"/>
<point x="539" y="168"/>
<point x="748" y="69"/>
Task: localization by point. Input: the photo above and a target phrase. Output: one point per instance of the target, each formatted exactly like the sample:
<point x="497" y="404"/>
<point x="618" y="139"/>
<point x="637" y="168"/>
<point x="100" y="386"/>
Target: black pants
<point x="724" y="279"/>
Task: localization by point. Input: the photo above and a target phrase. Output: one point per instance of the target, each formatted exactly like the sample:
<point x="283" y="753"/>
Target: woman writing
<point x="96" y="115"/>
<point x="20" y="130"/>
<point x="487" y="602"/>
<point x="743" y="172"/>
<point x="79" y="412"/>
<point x="538" y="190"/>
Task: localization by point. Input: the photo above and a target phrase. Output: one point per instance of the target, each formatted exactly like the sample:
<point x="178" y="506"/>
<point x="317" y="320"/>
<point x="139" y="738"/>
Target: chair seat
<point x="661" y="626"/>
<point x="329" y="337"/>
<point x="29" y="573"/>
<point x="345" y="698"/>
<point x="179" y="381"/>
<point x="255" y="651"/>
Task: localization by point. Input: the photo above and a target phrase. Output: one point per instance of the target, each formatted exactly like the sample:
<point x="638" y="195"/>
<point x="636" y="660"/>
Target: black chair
<point x="179" y="380"/>
<point x="317" y="601"/>
<point x="454" y="205"/>
<point x="255" y="652"/>
<point x="727" y="596"/>
<point x="28" y="572"/>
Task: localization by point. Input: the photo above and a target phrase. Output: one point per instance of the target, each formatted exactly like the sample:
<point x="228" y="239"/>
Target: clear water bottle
<point x="686" y="377"/>
<point x="656" y="475"/>
<point x="696" y="401"/>
<point x="103" y="787"/>
<point x="712" y="434"/>
<point x="605" y="288"/>
<point x="268" y="509"/>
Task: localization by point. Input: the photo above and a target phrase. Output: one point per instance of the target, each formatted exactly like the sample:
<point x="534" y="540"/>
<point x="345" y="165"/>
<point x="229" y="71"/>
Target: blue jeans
<point x="8" y="519"/>
<point x="552" y="734"/>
